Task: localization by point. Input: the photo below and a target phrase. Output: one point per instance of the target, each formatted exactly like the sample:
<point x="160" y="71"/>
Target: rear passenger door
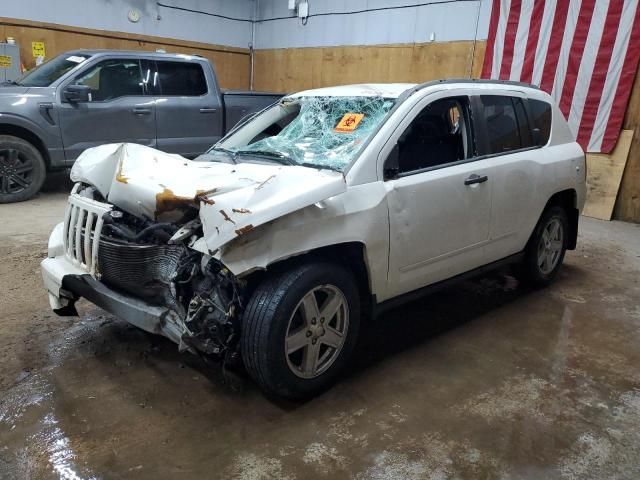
<point x="508" y="140"/>
<point x="189" y="114"/>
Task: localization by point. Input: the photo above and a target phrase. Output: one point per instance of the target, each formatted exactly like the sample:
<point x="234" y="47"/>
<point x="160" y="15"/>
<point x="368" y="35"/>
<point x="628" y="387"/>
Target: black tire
<point x="266" y="323"/>
<point x="22" y="169"/>
<point x="532" y="272"/>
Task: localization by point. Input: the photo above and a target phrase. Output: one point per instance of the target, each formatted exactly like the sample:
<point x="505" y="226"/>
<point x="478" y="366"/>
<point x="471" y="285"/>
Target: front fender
<point x="358" y="215"/>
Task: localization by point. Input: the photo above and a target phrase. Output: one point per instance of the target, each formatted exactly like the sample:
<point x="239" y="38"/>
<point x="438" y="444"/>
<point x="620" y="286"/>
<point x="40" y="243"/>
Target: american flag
<point x="583" y="52"/>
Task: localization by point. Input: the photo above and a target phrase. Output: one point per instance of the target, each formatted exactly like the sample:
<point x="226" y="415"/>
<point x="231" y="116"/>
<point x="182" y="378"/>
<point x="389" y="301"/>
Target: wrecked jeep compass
<point x="275" y="247"/>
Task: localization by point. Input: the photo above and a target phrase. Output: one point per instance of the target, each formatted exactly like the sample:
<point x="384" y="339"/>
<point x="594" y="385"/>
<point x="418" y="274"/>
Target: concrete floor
<point x="485" y="380"/>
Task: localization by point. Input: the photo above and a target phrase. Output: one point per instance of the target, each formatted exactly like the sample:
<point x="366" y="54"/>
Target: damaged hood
<point x="233" y="198"/>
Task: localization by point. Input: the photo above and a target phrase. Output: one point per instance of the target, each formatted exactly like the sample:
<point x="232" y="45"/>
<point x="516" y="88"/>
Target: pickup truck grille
<point x="82" y="227"/>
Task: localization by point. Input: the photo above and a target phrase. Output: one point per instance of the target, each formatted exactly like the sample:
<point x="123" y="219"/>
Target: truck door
<point x="118" y="110"/>
<point x="189" y="112"/>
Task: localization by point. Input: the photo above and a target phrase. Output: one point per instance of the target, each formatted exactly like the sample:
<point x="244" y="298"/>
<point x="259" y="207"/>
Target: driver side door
<point x="438" y="195"/>
<point x="118" y="109"/>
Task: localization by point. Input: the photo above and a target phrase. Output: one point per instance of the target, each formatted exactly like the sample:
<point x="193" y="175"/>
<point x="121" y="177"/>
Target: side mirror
<point x="392" y="164"/>
<point x="77" y="93"/>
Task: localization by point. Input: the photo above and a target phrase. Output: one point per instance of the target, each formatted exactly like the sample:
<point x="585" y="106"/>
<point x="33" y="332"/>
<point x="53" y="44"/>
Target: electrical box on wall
<point x="292" y="4"/>
<point x="9" y="62"/>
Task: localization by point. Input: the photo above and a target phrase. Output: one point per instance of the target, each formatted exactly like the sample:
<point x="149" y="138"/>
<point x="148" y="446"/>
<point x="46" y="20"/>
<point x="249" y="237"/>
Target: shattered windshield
<point x="324" y="132"/>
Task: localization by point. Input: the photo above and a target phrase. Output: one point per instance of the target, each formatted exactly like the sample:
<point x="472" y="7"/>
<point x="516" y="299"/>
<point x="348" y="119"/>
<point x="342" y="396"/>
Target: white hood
<point x="233" y="198"/>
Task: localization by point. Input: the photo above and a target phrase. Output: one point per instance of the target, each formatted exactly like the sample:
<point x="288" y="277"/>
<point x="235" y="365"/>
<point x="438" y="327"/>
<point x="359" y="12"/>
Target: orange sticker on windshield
<point x="349" y="122"/>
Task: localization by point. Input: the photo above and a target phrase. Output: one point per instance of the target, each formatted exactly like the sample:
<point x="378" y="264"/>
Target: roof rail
<point x="432" y="83"/>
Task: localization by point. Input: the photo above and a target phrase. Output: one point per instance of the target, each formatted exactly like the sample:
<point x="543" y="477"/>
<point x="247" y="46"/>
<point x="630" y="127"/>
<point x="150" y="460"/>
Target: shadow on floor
<point x="57" y="182"/>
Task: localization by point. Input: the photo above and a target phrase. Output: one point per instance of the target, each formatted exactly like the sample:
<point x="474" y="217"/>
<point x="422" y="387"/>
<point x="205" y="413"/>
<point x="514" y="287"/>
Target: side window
<point x="541" y="117"/>
<point x="181" y="79"/>
<point x="440" y="134"/>
<point x="523" y="123"/>
<point x="112" y="79"/>
<point x="502" y="124"/>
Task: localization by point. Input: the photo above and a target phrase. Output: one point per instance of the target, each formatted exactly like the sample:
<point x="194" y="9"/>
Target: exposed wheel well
<point x="29" y="136"/>
<point x="567" y="199"/>
<point x="350" y="255"/>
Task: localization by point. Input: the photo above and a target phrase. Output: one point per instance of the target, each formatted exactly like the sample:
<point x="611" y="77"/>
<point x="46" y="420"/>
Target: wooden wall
<point x="292" y="69"/>
<point x="232" y="64"/>
<point x="288" y="70"/>
<point x="628" y="203"/>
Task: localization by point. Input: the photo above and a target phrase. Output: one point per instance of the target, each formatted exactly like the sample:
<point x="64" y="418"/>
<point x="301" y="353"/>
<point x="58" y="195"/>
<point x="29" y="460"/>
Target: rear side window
<point x="523" y="123"/>
<point x="502" y="124"/>
<point x="541" y="117"/>
<point x="181" y="79"/>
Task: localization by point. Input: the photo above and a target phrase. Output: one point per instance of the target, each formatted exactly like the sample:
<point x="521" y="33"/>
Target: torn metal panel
<point x="232" y="198"/>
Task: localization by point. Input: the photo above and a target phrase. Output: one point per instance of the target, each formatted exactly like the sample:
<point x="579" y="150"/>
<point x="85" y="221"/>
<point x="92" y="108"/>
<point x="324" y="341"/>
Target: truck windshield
<point x="323" y="132"/>
<point x="50" y="71"/>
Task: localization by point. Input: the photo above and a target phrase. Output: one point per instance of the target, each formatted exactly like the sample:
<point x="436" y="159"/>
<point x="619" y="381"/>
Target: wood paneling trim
<point x="293" y="69"/>
<point x="150" y="39"/>
<point x="232" y="64"/>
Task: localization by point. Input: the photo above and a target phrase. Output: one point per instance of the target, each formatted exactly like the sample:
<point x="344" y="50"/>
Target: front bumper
<point x="67" y="279"/>
<point x="65" y="284"/>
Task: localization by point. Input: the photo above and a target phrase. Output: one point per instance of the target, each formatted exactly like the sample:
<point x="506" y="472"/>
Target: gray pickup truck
<point x="85" y="98"/>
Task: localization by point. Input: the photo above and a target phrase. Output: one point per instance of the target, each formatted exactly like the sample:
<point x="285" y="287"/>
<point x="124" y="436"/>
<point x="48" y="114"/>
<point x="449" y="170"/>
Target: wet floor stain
<point x="485" y="380"/>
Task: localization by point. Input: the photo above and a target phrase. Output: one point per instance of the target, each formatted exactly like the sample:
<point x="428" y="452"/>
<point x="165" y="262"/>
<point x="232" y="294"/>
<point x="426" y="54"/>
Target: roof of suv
<point x="395" y="90"/>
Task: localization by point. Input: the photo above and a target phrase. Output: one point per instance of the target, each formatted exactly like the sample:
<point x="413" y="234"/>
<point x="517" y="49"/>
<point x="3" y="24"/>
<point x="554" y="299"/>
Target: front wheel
<point x="546" y="248"/>
<point x="299" y="329"/>
<point x="22" y="169"/>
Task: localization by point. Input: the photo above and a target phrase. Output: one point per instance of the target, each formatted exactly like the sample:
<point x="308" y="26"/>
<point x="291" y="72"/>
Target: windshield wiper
<point x="277" y="156"/>
<point x="10" y="82"/>
<point x="231" y="153"/>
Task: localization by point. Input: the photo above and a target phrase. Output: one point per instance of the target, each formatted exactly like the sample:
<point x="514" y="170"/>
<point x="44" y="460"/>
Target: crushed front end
<point x="145" y="233"/>
<point x="145" y="272"/>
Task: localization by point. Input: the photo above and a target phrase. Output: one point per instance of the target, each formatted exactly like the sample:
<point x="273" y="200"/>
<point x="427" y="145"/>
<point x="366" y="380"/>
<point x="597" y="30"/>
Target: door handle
<point x="473" y="178"/>
<point x="208" y="110"/>
<point x="141" y="111"/>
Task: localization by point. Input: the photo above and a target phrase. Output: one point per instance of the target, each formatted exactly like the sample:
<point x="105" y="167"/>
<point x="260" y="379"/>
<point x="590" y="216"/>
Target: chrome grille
<point x="82" y="227"/>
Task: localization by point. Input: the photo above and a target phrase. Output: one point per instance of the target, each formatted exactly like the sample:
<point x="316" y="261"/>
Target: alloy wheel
<point x="317" y="331"/>
<point x="16" y="171"/>
<point x="550" y="246"/>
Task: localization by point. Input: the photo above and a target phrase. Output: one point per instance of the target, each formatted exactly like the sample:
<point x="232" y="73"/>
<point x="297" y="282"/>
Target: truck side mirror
<point x="392" y="164"/>
<point x="76" y="93"/>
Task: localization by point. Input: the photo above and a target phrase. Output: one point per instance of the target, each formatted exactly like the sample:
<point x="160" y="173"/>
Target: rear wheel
<point x="546" y="248"/>
<point x="22" y="169"/>
<point x="299" y="329"/>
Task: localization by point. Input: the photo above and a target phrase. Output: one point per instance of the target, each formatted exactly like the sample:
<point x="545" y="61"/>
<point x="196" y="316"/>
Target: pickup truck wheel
<point x="22" y="169"/>
<point x="299" y="329"/>
<point x="546" y="248"/>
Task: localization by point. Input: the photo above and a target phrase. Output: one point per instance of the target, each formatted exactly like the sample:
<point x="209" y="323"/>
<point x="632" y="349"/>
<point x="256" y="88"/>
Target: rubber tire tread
<point x="258" y="322"/>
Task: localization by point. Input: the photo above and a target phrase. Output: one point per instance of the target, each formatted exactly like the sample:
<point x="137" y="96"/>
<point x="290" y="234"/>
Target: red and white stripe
<point x="583" y="52"/>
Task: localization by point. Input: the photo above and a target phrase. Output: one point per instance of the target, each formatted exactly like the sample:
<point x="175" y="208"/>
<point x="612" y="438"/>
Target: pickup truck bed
<point x="240" y="103"/>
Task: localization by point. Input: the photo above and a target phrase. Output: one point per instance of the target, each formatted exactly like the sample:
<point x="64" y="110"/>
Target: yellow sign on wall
<point x="5" y="61"/>
<point x="38" y="49"/>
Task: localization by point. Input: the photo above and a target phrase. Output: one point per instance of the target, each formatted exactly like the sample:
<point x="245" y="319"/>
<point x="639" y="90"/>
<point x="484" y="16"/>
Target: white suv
<point x="276" y="246"/>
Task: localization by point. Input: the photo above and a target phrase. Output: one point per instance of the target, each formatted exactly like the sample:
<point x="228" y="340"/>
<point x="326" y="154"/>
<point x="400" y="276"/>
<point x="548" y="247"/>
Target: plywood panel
<point x="628" y="204"/>
<point x="295" y="69"/>
<point x="604" y="173"/>
<point x="232" y="64"/>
